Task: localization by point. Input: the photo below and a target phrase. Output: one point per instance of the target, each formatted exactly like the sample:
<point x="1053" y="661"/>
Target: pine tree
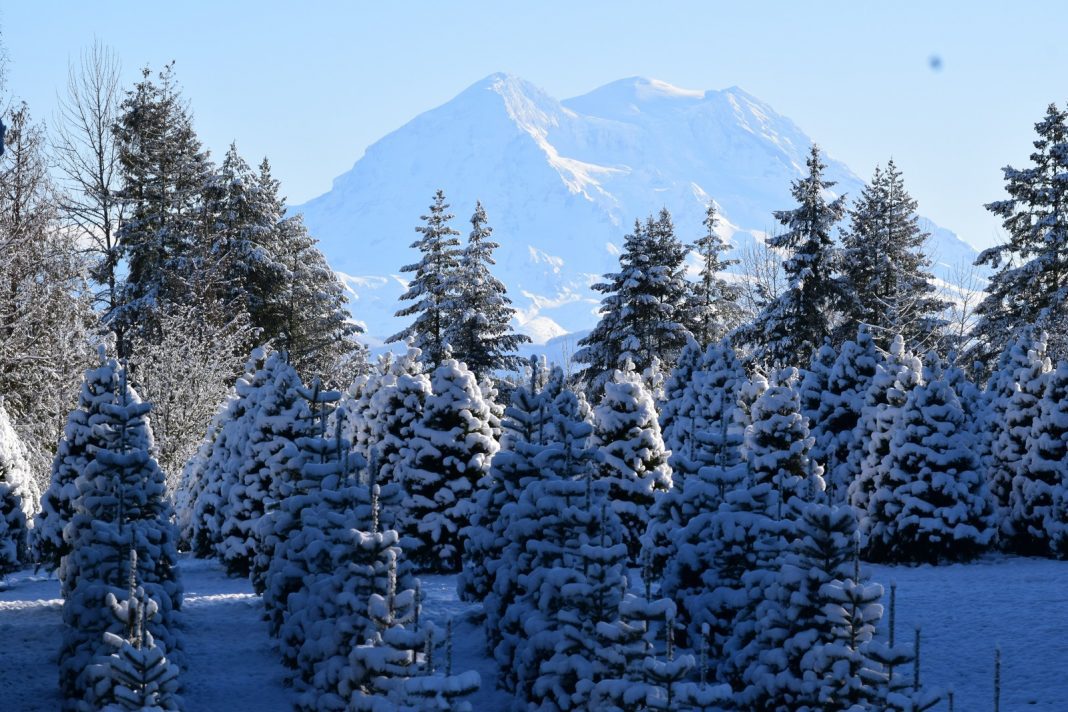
<point x="448" y="454"/>
<point x="790" y="327"/>
<point x="121" y="505"/>
<point x="481" y="334"/>
<point x="643" y="312"/>
<point x="432" y="288"/>
<point x="885" y="269"/>
<point x="713" y="308"/>
<point x="19" y="499"/>
<point x="634" y="461"/>
<point x="1028" y="286"/>
<point x="932" y="504"/>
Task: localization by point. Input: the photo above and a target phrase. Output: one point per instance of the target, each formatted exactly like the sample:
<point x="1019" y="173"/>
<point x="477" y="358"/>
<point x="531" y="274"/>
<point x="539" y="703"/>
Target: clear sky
<point x="312" y="84"/>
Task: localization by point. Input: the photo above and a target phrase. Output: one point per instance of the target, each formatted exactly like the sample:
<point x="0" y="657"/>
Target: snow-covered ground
<point x="964" y="610"/>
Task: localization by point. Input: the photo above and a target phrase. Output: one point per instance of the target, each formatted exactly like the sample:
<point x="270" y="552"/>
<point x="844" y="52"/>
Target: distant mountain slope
<point x="562" y="183"/>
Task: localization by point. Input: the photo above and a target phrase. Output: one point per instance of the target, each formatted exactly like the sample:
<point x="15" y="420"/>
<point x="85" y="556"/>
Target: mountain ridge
<point x="562" y="181"/>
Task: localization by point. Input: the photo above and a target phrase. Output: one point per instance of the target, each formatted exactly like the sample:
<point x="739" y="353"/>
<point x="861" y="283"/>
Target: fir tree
<point x="932" y="504"/>
<point x="884" y="268"/>
<point x="1038" y="501"/>
<point x="447" y="456"/>
<point x="121" y="505"/>
<point x="643" y="312"/>
<point x="72" y="455"/>
<point x="164" y="173"/>
<point x="481" y="334"/>
<point x="1028" y="286"/>
<point x="634" y="461"/>
<point x="840" y="411"/>
<point x="790" y="327"/>
<point x="713" y="308"/>
<point x="432" y="288"/>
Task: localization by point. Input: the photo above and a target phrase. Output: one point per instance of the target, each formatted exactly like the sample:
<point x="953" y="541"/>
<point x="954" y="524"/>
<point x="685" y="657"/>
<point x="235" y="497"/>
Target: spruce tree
<point x="712" y="305"/>
<point x="481" y="333"/>
<point x="634" y="461"/>
<point x="432" y="289"/>
<point x="884" y="267"/>
<point x="447" y="456"/>
<point x="1031" y="268"/>
<point x="790" y="328"/>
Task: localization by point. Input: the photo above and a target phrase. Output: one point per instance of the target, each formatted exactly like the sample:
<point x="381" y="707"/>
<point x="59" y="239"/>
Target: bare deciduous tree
<point x="86" y="154"/>
<point x="762" y="277"/>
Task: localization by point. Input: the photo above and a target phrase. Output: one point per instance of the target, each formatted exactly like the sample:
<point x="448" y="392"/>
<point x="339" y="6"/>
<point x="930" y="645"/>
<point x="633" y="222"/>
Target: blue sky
<point x="311" y="85"/>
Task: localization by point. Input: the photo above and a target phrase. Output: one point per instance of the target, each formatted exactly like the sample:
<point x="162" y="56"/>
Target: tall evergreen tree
<point x="794" y="324"/>
<point x="164" y="173"/>
<point x="884" y="267"/>
<point x="643" y="312"/>
<point x="713" y="308"/>
<point x="480" y="333"/>
<point x="432" y="289"/>
<point x="1030" y="283"/>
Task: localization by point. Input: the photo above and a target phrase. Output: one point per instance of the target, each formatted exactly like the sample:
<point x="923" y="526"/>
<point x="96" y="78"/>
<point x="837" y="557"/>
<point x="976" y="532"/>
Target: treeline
<point x="118" y="228"/>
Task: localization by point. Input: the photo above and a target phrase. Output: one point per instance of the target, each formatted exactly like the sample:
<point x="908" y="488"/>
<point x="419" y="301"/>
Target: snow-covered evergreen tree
<point x="643" y="312"/>
<point x="277" y="418"/>
<point x="932" y="504"/>
<point x="885" y="270"/>
<point x="791" y="327"/>
<point x="1013" y="444"/>
<point x="1031" y="268"/>
<point x="121" y="505"/>
<point x="840" y="411"/>
<point x="210" y="491"/>
<point x="633" y="457"/>
<point x="481" y="333"/>
<point x="1038" y="495"/>
<point x="1003" y="449"/>
<point x="811" y="387"/>
<point x="19" y="498"/>
<point x="513" y="467"/>
<point x="894" y="378"/>
<point x="712" y="306"/>
<point x="432" y="289"/>
<point x="138" y="673"/>
<point x="442" y="463"/>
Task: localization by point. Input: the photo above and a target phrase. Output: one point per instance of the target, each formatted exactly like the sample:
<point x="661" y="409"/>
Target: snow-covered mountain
<point x="562" y="182"/>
